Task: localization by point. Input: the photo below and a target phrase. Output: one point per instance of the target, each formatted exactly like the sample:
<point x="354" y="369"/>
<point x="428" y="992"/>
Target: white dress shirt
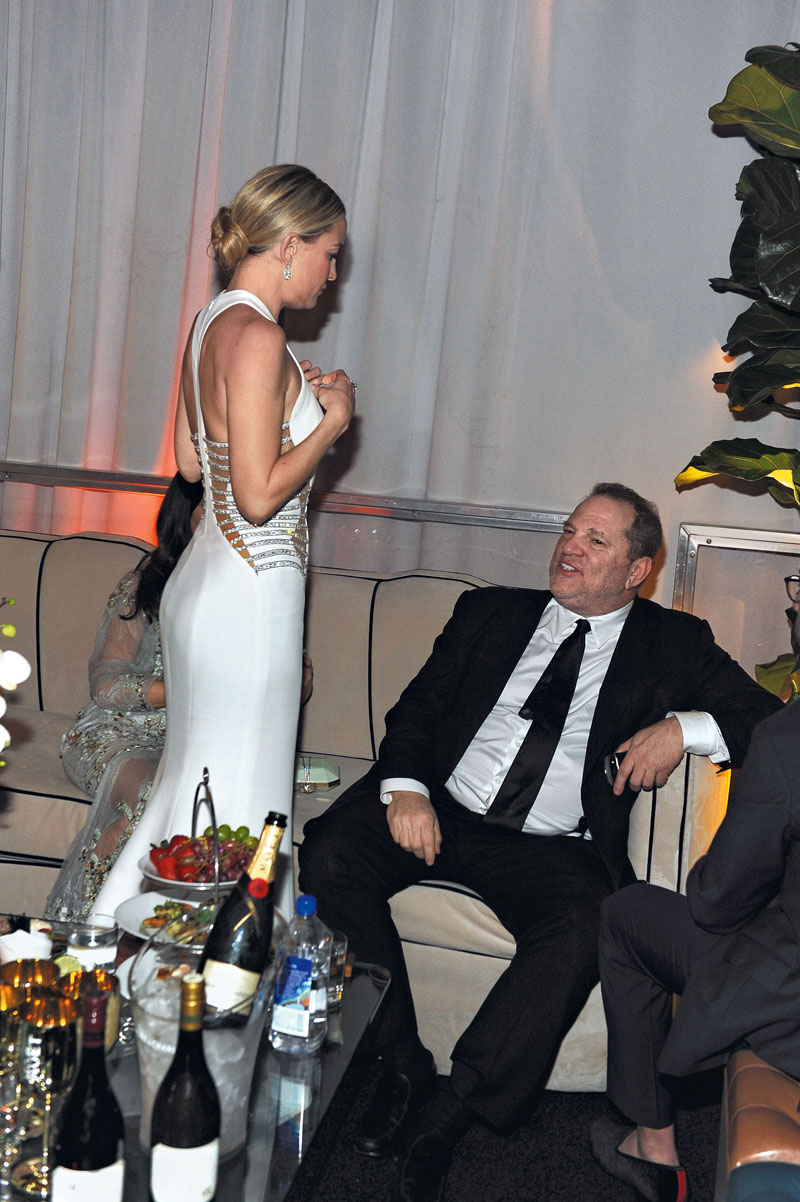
<point x="482" y="769"/>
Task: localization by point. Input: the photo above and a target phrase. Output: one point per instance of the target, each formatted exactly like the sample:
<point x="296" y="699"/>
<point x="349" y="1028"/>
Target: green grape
<point x="241" y="834"/>
<point x="224" y="832"/>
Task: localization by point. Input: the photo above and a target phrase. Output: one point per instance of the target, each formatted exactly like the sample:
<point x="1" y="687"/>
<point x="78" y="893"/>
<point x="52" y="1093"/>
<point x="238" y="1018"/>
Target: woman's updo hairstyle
<point x="276" y="201"/>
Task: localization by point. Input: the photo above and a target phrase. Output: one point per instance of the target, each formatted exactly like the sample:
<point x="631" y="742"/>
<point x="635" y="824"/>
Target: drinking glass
<point x="48" y="1053"/>
<point x="29" y="974"/>
<point x="338" y="966"/>
<point x="34" y="977"/>
<point x="93" y="942"/>
<point x="11" y="1000"/>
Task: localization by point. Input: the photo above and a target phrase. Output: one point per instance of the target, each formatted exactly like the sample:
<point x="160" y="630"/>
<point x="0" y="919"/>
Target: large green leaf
<point x="762" y="255"/>
<point x="780" y="61"/>
<point x="778" y="260"/>
<point x="769" y="188"/>
<point x="763" y="326"/>
<point x="757" y="378"/>
<point x="780" y="677"/>
<point x="747" y="459"/>
<point x="744" y="253"/>
<point x="767" y="109"/>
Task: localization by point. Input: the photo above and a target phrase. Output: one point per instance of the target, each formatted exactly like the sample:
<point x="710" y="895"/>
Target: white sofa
<point x="367" y="635"/>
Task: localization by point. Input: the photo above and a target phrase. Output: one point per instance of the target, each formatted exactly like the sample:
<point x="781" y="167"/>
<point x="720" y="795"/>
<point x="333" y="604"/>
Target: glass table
<point x="289" y="1098"/>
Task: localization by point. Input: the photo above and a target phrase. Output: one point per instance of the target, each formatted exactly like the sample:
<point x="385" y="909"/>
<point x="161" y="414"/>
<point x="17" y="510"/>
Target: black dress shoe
<point x="422" y="1172"/>
<point x="396" y="1100"/>
<point x="652" y="1182"/>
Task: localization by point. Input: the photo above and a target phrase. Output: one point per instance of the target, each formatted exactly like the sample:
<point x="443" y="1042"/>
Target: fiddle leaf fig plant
<point x="763" y="100"/>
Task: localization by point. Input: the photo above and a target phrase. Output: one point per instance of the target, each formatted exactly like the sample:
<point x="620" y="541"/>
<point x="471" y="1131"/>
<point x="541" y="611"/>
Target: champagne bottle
<point x="89" y="1164"/>
<point x="184" y="1131"/>
<point x="238" y="945"/>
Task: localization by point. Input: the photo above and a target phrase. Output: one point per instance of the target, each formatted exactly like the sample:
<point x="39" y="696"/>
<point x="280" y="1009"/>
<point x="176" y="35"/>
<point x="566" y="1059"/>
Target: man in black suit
<point x="483" y="780"/>
<point x="730" y="948"/>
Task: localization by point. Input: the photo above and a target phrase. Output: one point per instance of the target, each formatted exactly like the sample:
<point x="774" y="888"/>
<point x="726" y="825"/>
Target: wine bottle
<point x="238" y="945"/>
<point x="184" y="1131"/>
<point x="88" y="1159"/>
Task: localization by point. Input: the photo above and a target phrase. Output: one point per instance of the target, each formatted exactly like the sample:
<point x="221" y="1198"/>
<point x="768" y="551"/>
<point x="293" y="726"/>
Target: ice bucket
<point x="230" y="1051"/>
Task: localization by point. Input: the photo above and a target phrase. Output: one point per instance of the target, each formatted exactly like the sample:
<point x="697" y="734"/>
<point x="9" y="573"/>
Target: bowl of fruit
<point x="188" y="862"/>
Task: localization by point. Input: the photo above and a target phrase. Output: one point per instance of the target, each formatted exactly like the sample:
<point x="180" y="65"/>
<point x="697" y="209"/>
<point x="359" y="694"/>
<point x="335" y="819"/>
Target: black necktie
<point x="547" y="707"/>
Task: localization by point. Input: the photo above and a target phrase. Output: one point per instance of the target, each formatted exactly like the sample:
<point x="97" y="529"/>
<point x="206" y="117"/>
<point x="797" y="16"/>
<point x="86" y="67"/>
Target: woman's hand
<point x="339" y="398"/>
<point x="312" y="374"/>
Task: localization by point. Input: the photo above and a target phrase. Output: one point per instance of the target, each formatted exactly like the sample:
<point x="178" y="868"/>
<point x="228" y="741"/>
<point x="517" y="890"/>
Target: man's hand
<point x="650" y="756"/>
<point x="414" y="825"/>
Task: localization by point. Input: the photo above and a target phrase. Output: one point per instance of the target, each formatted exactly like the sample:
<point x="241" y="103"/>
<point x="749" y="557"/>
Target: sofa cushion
<point x="41" y="812"/>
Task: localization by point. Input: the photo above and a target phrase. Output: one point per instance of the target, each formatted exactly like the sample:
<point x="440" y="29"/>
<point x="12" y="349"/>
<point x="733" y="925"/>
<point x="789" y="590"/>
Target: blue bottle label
<point x="293" y="997"/>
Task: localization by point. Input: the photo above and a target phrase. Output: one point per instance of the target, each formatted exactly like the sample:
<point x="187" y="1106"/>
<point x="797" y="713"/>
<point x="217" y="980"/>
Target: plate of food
<point x="169" y="920"/>
<point x="188" y="862"/>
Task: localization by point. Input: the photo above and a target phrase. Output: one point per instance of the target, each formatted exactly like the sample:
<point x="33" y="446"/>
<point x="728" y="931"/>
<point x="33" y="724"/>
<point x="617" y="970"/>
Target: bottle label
<point x="189" y="1174"/>
<point x="229" y="987"/>
<point x="297" y="997"/>
<point x="101" y="1185"/>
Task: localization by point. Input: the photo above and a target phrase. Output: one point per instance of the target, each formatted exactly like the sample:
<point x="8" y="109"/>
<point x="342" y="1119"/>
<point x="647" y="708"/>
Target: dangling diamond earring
<point x="287" y="271"/>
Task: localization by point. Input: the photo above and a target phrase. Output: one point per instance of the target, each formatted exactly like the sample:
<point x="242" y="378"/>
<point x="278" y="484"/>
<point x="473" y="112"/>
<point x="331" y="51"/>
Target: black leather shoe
<point x="422" y="1172"/>
<point x="652" y="1182"/>
<point x="396" y="1100"/>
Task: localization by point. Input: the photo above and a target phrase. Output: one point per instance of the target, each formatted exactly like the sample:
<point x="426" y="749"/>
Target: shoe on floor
<point x="422" y="1171"/>
<point x="397" y="1099"/>
<point x="653" y="1182"/>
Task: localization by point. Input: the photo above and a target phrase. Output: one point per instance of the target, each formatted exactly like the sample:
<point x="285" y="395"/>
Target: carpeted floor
<point x="547" y="1158"/>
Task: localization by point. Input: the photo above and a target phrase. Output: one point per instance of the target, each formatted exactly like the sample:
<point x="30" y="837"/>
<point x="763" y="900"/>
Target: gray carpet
<point x="546" y="1158"/>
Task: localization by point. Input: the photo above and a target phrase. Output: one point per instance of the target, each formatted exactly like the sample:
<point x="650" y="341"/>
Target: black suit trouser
<point x="546" y="891"/>
<point x="649" y="945"/>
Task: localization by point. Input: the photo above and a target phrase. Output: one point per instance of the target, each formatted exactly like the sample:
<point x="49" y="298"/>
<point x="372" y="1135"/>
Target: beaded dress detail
<point x="282" y="541"/>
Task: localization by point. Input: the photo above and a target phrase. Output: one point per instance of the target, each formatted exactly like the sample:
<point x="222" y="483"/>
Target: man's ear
<point x="640" y="569"/>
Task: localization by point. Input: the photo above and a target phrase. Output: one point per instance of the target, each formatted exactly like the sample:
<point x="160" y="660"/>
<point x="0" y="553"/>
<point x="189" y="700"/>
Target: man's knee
<point x="625" y="910"/>
<point x="322" y="856"/>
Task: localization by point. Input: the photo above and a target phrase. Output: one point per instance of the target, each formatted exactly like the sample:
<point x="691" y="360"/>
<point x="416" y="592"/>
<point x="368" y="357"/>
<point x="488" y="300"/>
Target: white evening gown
<point x="232" y="635"/>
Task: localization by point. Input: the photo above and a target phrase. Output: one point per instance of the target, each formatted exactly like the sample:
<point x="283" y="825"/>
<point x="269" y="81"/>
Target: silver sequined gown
<point x="232" y="634"/>
<point x="112" y="749"/>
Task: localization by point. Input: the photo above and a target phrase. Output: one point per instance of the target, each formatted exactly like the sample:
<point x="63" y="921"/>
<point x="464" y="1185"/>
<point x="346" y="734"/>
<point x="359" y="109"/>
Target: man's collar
<point x="557" y="618"/>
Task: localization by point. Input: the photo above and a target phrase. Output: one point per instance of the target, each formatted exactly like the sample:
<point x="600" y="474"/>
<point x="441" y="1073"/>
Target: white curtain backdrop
<point x="536" y="200"/>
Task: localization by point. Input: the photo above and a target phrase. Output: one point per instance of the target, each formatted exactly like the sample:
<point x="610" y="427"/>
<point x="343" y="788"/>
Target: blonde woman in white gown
<point x="253" y="425"/>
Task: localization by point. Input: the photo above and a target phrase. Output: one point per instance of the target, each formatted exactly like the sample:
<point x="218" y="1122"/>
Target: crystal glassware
<point x="11" y="1001"/>
<point x="48" y="1053"/>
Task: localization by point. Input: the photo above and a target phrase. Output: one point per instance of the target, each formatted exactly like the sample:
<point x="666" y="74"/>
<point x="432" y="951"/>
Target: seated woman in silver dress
<point x="113" y="748"/>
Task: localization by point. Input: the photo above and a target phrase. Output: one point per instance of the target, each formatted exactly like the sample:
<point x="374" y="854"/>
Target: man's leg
<point x="547" y="892"/>
<point x="351" y="864"/>
<point x="648" y="947"/>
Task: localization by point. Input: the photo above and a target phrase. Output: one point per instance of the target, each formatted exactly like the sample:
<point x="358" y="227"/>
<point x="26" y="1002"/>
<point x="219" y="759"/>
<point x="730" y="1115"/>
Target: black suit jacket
<point x="663" y="660"/>
<point x="747" y="890"/>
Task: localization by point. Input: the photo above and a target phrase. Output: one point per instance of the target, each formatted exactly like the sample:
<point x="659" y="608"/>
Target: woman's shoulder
<point x="124" y="594"/>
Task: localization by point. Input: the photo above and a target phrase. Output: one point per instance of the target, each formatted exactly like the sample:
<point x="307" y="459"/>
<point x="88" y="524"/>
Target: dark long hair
<point x="173" y="534"/>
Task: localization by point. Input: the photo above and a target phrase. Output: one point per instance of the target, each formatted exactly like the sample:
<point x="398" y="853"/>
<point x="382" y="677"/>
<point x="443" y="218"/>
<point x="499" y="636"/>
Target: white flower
<point x="14" y="668"/>
<point x="2" y="705"/>
<point x="5" y="737"/>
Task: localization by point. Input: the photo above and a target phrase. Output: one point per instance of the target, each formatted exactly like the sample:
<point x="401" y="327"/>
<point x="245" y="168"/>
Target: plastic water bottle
<point x="300" y="1012"/>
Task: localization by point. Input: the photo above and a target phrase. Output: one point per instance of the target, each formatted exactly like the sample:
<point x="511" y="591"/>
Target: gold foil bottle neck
<point x="192" y="1001"/>
<point x="265" y="857"/>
